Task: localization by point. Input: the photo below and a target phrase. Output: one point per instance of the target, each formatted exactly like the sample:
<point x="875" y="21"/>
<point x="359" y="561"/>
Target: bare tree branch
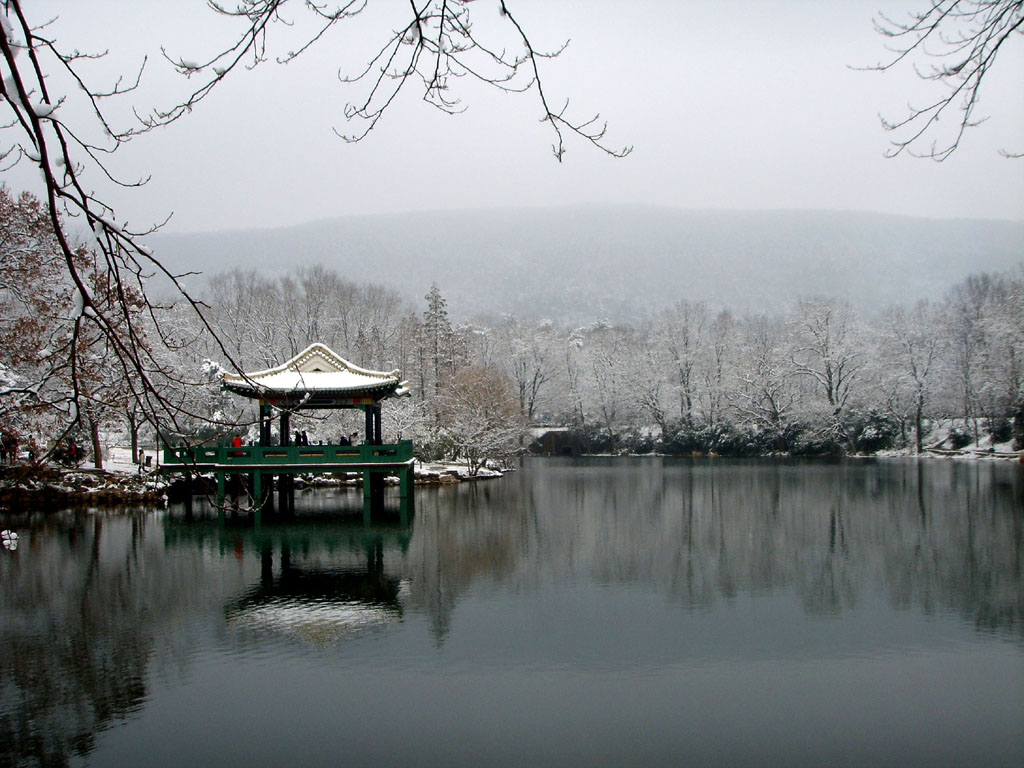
<point x="959" y="41"/>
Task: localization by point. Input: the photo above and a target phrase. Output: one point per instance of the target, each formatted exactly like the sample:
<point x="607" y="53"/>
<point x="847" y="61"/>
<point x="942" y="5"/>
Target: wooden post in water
<point x="266" y="438"/>
<point x="257" y="497"/>
<point x="284" y="481"/>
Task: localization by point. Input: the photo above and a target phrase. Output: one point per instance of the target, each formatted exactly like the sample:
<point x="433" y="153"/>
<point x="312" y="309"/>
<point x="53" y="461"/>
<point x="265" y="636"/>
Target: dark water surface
<point x="576" y="613"/>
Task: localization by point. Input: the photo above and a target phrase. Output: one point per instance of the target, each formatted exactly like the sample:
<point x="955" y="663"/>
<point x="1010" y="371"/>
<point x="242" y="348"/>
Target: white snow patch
<point x="44" y="109"/>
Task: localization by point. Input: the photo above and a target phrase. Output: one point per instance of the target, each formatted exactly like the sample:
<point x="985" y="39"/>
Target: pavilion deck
<point x="290" y="459"/>
<point x="263" y="462"/>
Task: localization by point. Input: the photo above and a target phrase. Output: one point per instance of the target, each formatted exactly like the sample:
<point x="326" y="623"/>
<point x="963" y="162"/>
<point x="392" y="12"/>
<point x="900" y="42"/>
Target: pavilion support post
<point x="284" y="481"/>
<point x="220" y="498"/>
<point x="377" y="491"/>
<point x="406" y="497"/>
<point x="257" y="498"/>
<point x="265" y="422"/>
<point x="257" y="489"/>
<point x="406" y="477"/>
<point x="368" y="410"/>
<point x="376" y="425"/>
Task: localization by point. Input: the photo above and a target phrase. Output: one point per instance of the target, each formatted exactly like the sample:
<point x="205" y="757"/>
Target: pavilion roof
<point x="316" y="371"/>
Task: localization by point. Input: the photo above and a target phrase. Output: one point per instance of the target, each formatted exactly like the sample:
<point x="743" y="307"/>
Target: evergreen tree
<point x="437" y="337"/>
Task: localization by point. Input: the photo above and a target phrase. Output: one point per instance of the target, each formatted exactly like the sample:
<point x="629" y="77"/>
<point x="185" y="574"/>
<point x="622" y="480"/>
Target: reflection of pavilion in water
<point x="319" y="604"/>
<point x="320" y="580"/>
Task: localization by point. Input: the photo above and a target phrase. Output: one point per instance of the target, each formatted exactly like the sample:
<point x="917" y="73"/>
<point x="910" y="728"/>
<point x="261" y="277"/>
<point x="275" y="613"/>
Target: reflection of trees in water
<point x="466" y="534"/>
<point x="964" y="554"/>
<point x="77" y="637"/>
<point x="938" y="535"/>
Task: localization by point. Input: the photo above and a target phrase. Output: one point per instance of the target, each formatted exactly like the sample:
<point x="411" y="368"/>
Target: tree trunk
<point x="133" y="429"/>
<point x="97" y="449"/>
<point x="918" y="442"/>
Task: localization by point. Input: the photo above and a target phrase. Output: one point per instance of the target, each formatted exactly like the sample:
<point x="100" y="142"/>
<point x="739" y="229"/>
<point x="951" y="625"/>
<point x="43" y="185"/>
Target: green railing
<point x="276" y="455"/>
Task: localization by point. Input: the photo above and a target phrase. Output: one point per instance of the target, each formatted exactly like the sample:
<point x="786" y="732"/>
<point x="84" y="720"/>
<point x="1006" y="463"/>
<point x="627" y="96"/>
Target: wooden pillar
<point x="284" y="481"/>
<point x="220" y="498"/>
<point x="265" y="422"/>
<point x="406" y="476"/>
<point x="376" y="425"/>
<point x="406" y="503"/>
<point x="368" y="410"/>
<point x="257" y="497"/>
<point x="266" y="432"/>
<point x="377" y="491"/>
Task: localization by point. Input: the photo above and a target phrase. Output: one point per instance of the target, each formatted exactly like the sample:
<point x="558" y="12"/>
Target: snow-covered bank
<point x="60" y="487"/>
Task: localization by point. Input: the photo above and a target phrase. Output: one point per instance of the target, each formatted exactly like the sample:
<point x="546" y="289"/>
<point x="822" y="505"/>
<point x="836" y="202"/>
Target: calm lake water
<point x="579" y="612"/>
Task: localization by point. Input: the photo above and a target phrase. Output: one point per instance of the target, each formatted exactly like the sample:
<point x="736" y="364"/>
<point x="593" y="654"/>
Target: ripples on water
<point x="578" y="612"/>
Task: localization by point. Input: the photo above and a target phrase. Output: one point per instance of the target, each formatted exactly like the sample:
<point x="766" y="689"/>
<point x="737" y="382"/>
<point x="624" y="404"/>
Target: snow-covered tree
<point x="966" y="330"/>
<point x="911" y="350"/>
<point x="438" y="349"/>
<point x="35" y="302"/>
<point x="610" y="374"/>
<point x="715" y="370"/>
<point x="827" y="350"/>
<point x="480" y="415"/>
<point x="765" y="397"/>
<point x="530" y="352"/>
<point x="681" y="333"/>
<point x="61" y="364"/>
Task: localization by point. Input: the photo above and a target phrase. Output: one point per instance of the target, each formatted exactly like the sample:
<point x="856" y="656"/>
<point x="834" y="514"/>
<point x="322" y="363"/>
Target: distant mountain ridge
<point x="576" y="264"/>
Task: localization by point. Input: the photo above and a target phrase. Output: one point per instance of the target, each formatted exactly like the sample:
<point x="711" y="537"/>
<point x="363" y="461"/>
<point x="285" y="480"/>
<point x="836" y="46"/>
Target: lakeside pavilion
<point x="315" y="379"/>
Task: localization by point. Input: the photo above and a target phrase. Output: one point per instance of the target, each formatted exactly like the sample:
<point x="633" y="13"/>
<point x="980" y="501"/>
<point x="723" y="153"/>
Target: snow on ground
<point x="439" y="470"/>
<point x="119" y="459"/>
<point x="939" y="437"/>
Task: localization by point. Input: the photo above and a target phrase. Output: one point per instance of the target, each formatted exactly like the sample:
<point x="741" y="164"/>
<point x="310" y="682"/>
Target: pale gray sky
<point x="729" y="104"/>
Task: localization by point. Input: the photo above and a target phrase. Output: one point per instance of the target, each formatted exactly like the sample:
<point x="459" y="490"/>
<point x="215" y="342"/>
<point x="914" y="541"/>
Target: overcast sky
<point x="733" y="104"/>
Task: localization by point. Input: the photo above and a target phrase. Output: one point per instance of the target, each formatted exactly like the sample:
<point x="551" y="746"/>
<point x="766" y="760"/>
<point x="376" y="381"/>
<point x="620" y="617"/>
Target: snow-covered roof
<point x="316" y="370"/>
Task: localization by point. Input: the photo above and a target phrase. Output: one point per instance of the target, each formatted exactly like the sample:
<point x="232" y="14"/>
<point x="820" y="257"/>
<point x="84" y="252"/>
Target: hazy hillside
<point x="575" y="264"/>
